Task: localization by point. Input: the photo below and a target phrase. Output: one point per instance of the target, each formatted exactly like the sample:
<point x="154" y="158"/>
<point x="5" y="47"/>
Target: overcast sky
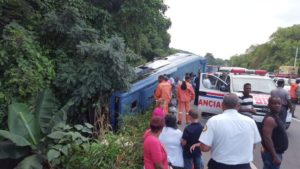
<point x="227" y="27"/>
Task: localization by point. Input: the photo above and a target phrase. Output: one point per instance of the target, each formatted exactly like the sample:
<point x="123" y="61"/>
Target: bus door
<point x="211" y="92"/>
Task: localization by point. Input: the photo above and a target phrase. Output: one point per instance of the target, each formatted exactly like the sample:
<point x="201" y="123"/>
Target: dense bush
<point x="121" y="150"/>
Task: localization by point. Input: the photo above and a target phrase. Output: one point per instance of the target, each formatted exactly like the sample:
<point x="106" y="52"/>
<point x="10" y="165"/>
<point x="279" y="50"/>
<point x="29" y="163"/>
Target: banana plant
<point x="27" y="126"/>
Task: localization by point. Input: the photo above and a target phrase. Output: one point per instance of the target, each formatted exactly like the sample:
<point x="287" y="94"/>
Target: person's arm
<point x="192" y="93"/>
<point x="267" y="131"/>
<point x="183" y="142"/>
<point x="157" y="93"/>
<point x="204" y="147"/>
<point x="178" y="93"/>
<point x="194" y="146"/>
<point x="252" y="110"/>
<point x="157" y="155"/>
<point x="159" y="165"/>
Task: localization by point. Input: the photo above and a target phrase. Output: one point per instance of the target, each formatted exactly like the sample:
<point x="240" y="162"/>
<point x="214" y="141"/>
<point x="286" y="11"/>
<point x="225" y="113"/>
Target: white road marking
<point x="252" y="166"/>
<point x="296" y="119"/>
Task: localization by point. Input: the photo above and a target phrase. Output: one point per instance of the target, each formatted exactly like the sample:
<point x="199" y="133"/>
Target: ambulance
<point x="214" y="86"/>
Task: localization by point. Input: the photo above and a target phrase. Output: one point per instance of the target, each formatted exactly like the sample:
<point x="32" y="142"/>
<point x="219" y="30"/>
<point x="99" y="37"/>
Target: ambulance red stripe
<point x="214" y="94"/>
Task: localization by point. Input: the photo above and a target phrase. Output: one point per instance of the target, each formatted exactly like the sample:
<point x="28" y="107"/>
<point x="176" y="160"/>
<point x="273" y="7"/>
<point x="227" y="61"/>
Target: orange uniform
<point x="164" y="91"/>
<point x="184" y="98"/>
<point x="293" y="91"/>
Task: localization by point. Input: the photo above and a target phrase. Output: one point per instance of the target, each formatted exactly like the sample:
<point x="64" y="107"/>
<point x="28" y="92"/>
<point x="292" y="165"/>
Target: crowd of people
<point x="230" y="136"/>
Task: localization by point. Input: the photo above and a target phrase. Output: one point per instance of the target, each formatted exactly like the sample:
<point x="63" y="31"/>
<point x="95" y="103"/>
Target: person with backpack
<point x="185" y="94"/>
<point x="274" y="137"/>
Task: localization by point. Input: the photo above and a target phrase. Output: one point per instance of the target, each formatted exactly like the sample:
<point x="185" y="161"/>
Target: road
<point x="291" y="158"/>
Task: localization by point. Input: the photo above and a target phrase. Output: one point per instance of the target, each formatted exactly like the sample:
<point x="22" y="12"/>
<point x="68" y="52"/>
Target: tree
<point x="278" y="51"/>
<point x="24" y="67"/>
<point x="211" y="60"/>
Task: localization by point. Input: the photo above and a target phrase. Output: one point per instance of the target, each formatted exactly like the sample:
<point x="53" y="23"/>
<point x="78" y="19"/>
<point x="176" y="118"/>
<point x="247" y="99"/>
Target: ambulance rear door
<point x="211" y="92"/>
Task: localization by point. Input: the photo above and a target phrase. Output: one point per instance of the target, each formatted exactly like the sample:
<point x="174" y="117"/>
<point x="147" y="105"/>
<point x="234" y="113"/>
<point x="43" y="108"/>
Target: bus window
<point x="133" y="106"/>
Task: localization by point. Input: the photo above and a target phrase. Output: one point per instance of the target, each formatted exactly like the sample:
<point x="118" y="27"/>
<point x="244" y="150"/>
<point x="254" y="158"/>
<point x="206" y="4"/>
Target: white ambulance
<point x="213" y="87"/>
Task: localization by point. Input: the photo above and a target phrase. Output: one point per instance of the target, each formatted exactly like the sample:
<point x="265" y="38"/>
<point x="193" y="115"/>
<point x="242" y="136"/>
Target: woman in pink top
<point x="155" y="156"/>
<point x="159" y="110"/>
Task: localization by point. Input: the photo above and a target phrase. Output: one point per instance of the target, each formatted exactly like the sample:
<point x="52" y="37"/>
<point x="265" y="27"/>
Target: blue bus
<point x="141" y="94"/>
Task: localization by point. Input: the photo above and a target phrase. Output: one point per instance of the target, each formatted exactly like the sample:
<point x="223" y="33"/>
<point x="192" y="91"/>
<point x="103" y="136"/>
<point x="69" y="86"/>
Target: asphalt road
<point x="291" y="158"/>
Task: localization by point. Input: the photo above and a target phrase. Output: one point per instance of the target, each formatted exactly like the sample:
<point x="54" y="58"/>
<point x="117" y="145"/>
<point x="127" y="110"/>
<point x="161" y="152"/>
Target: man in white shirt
<point x="206" y="82"/>
<point x="230" y="137"/>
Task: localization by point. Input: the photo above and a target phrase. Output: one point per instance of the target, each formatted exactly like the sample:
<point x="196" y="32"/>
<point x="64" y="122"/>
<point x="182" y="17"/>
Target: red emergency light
<point x="247" y="71"/>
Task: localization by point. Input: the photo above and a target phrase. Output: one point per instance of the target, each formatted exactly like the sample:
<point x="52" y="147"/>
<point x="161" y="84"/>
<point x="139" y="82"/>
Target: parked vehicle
<point x="210" y="99"/>
<point x="140" y="96"/>
<point x="287" y="72"/>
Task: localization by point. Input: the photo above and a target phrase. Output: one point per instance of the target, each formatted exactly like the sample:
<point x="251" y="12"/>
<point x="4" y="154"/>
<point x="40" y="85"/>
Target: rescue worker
<point x="164" y="91"/>
<point x="293" y="94"/>
<point x="185" y="94"/>
<point x="293" y="91"/>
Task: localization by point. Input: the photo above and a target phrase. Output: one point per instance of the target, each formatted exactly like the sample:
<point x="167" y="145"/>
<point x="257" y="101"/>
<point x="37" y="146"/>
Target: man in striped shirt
<point x="246" y="101"/>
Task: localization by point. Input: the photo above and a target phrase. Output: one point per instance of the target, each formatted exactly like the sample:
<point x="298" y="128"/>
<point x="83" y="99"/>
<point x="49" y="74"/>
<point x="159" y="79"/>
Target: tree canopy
<point x="82" y="49"/>
<point x="278" y="51"/>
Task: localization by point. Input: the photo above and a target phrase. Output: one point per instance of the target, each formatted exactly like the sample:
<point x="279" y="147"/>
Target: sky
<point x="227" y="27"/>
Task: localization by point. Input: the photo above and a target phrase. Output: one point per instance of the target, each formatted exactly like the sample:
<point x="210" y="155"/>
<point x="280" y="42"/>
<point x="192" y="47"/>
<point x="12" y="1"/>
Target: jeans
<point x="197" y="161"/>
<point x="283" y="114"/>
<point x="268" y="162"/>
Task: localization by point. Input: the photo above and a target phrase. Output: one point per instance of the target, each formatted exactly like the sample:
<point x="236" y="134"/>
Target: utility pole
<point x="296" y="56"/>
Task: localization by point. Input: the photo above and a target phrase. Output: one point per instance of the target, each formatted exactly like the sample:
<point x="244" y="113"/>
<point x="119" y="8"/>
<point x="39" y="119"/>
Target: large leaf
<point x="52" y="154"/>
<point x="46" y="106"/>
<point x="57" y="134"/>
<point x="9" y="149"/>
<point x="61" y="115"/>
<point x="48" y="113"/>
<point x="31" y="162"/>
<point x="18" y="140"/>
<point x="22" y="122"/>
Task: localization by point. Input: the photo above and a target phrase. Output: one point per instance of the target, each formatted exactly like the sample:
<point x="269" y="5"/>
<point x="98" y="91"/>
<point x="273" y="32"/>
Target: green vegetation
<point x="116" y="151"/>
<point x="40" y="136"/>
<point x="211" y="60"/>
<point x="82" y="50"/>
<point x="60" y="60"/>
<point x="278" y="51"/>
